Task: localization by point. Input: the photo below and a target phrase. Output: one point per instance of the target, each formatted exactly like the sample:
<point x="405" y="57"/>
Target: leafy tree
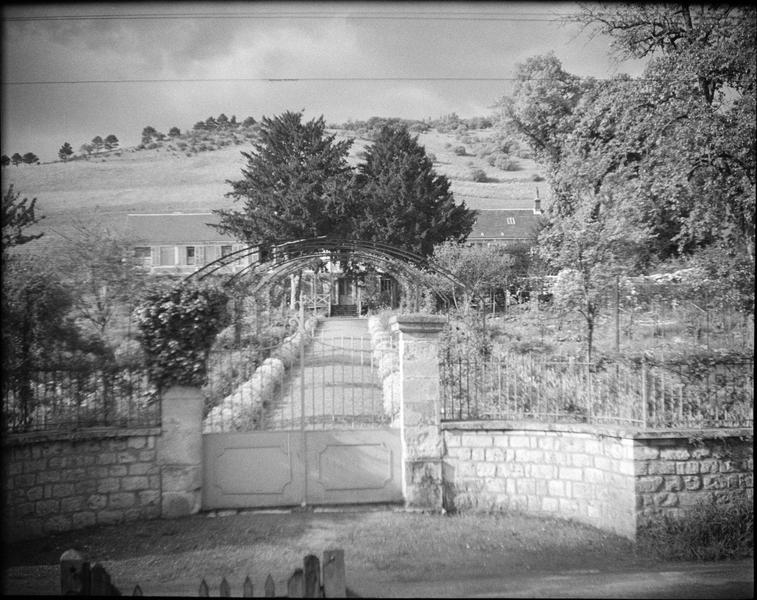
<point x="86" y="149"/>
<point x="148" y="133"/>
<point x="111" y="142"/>
<point x="211" y="123"/>
<point x="66" y="151"/>
<point x="199" y="126"/>
<point x="98" y="143"/>
<point x="5" y="160"/>
<point x="101" y="270"/>
<point x="249" y="122"/>
<point x="481" y="268"/>
<point x="295" y="184"/>
<point x="402" y="201"/>
<point x="174" y="132"/>
<point x="222" y="121"/>
<point x="676" y="148"/>
<point x="17" y="159"/>
<point x="18" y="215"/>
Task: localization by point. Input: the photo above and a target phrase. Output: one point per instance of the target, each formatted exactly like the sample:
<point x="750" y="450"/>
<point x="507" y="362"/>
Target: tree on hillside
<point x="222" y="121"/>
<point x="174" y="132"/>
<point x="30" y="158"/>
<point x="249" y="122"/>
<point x="111" y="142"/>
<point x="86" y="149"/>
<point x="17" y="159"/>
<point x="5" y="160"/>
<point x="148" y="133"/>
<point x="402" y="200"/>
<point x="295" y="184"/>
<point x="66" y="151"/>
<point x="18" y="215"/>
<point x="199" y="126"/>
<point x="98" y="143"/>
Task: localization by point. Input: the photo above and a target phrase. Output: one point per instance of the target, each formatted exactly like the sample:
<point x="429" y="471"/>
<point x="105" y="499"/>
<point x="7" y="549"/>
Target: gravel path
<point x="341" y="384"/>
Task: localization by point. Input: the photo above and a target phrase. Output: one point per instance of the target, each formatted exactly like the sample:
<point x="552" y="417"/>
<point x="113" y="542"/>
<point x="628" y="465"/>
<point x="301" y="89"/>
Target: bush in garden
<point x="177" y="329"/>
<point x="479" y="175"/>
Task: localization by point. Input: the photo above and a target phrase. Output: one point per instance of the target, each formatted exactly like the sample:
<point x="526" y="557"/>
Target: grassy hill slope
<point x="107" y="187"/>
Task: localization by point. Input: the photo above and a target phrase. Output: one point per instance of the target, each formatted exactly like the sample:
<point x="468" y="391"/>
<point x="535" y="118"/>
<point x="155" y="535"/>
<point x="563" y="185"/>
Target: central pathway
<point x="338" y="384"/>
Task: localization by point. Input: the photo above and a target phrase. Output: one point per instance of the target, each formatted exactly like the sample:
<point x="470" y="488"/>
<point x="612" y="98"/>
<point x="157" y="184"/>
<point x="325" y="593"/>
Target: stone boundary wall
<point x="675" y="471"/>
<point x="614" y="479"/>
<point x="60" y="482"/>
<point x="569" y="472"/>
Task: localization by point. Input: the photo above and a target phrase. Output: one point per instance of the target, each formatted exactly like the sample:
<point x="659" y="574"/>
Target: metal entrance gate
<point x="323" y="436"/>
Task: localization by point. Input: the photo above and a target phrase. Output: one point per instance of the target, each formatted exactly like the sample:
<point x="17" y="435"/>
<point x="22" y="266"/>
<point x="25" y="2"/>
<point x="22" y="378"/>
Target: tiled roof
<point x="175" y="228"/>
<point x="505" y="224"/>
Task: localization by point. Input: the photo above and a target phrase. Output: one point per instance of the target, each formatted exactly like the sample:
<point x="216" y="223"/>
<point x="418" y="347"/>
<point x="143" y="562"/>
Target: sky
<point x="71" y="72"/>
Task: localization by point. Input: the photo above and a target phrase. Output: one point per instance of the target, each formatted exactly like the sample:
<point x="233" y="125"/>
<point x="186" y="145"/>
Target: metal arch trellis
<point x="291" y="256"/>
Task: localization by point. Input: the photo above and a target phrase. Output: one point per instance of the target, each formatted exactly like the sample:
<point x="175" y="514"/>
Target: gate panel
<point x="352" y="467"/>
<point x="253" y="469"/>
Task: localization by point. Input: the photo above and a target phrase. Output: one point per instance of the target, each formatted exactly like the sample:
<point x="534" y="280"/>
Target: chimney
<point x="537" y="203"/>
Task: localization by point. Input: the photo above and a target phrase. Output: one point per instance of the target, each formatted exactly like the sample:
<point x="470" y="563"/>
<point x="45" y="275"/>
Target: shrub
<point x="711" y="531"/>
<point x="505" y="163"/>
<point x="176" y="329"/>
<point x="479" y="175"/>
<point x="431" y="156"/>
<point x="460" y="150"/>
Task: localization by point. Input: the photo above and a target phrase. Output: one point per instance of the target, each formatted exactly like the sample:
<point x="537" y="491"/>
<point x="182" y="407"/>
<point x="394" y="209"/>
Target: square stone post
<point x="180" y="452"/>
<point x="420" y="411"/>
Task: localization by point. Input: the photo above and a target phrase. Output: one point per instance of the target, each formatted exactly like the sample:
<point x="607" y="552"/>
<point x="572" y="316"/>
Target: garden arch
<point x="270" y="264"/>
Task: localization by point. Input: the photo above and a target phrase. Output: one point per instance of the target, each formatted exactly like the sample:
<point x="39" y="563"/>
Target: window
<point x="167" y="256"/>
<point x="510" y="220"/>
<point x="225" y="251"/>
<point x="143" y="255"/>
<point x="190" y="255"/>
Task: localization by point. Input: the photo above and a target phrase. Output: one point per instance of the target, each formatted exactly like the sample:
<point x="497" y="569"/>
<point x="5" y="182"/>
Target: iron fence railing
<point x="46" y="399"/>
<point x="520" y="387"/>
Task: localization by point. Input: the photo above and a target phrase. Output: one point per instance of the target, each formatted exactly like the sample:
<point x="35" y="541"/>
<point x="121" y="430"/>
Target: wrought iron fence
<point x="46" y="399"/>
<point x="520" y="387"/>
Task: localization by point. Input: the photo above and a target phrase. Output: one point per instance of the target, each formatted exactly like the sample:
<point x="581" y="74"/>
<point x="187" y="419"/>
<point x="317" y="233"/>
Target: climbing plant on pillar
<point x="177" y="328"/>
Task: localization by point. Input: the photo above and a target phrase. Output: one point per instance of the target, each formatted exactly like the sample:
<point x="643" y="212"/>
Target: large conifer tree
<point x="295" y="185"/>
<point x="402" y="200"/>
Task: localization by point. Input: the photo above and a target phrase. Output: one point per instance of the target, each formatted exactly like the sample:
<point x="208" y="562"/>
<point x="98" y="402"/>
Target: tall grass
<point x="711" y="531"/>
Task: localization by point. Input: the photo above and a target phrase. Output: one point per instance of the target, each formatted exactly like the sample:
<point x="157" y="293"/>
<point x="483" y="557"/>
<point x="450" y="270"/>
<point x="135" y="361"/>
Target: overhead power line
<point x="321" y="15"/>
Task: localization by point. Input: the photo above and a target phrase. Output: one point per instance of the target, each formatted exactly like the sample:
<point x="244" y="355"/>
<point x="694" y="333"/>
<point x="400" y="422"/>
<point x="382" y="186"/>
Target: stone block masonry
<point x="54" y="483"/>
<point x="569" y="472"/>
<point x="676" y="471"/>
<point x="613" y="479"/>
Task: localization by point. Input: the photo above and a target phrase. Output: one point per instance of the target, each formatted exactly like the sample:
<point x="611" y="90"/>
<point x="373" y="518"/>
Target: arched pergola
<point x="276" y="262"/>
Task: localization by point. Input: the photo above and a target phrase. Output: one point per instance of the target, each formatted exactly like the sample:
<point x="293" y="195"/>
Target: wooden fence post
<point x="312" y="576"/>
<point x="334" y="585"/>
<point x="74" y="574"/>
<point x="296" y="584"/>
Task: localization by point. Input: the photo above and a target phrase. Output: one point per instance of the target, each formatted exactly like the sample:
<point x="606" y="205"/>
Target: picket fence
<point x="313" y="580"/>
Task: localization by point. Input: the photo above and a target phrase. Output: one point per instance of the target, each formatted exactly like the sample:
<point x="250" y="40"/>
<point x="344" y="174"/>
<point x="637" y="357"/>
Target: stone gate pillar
<point x="420" y="408"/>
<point x="180" y="452"/>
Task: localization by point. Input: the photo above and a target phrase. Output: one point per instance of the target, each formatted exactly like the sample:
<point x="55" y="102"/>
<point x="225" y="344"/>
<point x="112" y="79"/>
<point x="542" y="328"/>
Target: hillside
<point x="108" y="186"/>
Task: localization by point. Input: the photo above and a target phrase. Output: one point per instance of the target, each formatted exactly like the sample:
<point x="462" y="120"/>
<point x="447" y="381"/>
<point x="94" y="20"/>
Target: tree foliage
<point x="18" y="215"/>
<point x="295" y="184"/>
<point x="668" y="158"/>
<point x="66" y="151"/>
<point x="177" y="329"/>
<point x="402" y="201"/>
